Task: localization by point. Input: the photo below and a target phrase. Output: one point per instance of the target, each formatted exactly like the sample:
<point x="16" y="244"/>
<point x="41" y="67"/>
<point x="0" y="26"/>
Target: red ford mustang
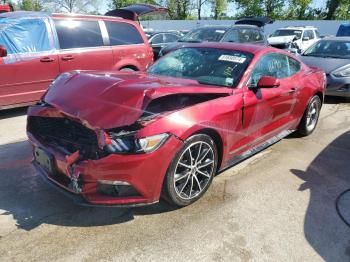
<point x="128" y="138"/>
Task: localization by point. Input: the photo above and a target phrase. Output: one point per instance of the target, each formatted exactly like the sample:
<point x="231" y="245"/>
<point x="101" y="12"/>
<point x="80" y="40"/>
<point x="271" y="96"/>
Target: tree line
<point x="198" y="9"/>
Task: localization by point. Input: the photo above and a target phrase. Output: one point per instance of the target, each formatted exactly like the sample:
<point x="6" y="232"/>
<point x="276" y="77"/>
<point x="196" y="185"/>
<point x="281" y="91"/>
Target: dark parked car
<point x="244" y="31"/>
<point x="158" y="40"/>
<point x="333" y="56"/>
<point x="344" y="30"/>
<point x="134" y="136"/>
<point x="36" y="47"/>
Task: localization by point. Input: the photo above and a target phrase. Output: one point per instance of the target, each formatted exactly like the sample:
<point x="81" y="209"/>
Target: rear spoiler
<point x="132" y="12"/>
<point x="259" y="21"/>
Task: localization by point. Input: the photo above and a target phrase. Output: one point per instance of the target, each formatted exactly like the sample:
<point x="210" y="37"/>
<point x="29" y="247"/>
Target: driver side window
<point x="273" y="64"/>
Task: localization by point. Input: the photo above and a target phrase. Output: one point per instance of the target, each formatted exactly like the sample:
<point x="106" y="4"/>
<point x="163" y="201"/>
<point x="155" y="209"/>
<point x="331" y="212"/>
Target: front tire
<point x="191" y="171"/>
<point x="310" y="118"/>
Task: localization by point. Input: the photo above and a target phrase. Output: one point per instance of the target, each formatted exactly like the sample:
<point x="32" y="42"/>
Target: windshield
<point x="206" y="34"/>
<point x="208" y="66"/>
<point x="329" y="48"/>
<point x="287" y="32"/>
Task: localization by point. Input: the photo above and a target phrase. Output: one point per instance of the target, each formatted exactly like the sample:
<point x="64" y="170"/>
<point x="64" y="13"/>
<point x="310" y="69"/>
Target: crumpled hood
<point x="275" y="40"/>
<point x="109" y="99"/>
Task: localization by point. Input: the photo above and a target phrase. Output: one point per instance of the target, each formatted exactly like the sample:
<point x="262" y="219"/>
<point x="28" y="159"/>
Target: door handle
<point x="68" y="58"/>
<point x="47" y="59"/>
<point x="292" y="90"/>
<point x="289" y="92"/>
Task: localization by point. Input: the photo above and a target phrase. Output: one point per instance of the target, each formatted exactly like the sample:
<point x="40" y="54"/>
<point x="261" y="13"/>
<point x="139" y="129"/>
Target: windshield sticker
<point x="233" y="59"/>
<point x="228" y="81"/>
<point x="220" y="31"/>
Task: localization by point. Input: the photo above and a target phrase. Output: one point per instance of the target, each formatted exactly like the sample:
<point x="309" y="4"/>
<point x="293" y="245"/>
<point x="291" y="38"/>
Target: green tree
<point x="343" y="10"/>
<point x="338" y="9"/>
<point x="270" y="8"/>
<point x="218" y="7"/>
<point x="70" y="6"/>
<point x="200" y="5"/>
<point x="30" y="5"/>
<point x="332" y="6"/>
<point x="249" y="7"/>
<point x="179" y="9"/>
<point x="298" y="9"/>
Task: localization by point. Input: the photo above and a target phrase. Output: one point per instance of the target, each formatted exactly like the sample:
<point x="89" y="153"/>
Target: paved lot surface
<point x="277" y="206"/>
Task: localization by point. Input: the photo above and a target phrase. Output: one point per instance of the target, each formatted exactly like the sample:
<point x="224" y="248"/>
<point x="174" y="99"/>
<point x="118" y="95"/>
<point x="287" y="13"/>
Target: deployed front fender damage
<point x="123" y="103"/>
<point x="143" y="106"/>
<point x="105" y="100"/>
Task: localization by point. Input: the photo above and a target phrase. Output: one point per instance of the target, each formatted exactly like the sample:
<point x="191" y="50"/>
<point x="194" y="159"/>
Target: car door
<point x="31" y="63"/>
<point x="249" y="35"/>
<point x="157" y="43"/>
<point x="82" y="45"/>
<point x="308" y="39"/>
<point x="128" y="45"/>
<point x="267" y="111"/>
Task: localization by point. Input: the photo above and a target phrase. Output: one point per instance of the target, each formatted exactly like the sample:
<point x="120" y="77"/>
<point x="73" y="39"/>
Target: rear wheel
<point x="191" y="171"/>
<point x="310" y="118"/>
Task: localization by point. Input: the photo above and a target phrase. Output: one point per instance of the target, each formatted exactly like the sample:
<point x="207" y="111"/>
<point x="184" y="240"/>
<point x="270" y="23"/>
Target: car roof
<point x="337" y="38"/>
<point x="244" y="47"/>
<point x="27" y="14"/>
<point x="24" y="14"/>
<point x="163" y="32"/>
<point x="225" y="27"/>
<point x="298" y="28"/>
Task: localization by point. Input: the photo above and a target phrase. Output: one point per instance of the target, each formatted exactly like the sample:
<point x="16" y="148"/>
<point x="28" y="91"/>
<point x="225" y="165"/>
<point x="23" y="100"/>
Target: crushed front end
<point x="96" y="166"/>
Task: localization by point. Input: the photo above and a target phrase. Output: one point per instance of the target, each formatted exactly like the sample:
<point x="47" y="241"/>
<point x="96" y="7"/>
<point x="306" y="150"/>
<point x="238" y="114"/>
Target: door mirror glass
<point x="306" y="38"/>
<point x="268" y="82"/>
<point x="3" y="51"/>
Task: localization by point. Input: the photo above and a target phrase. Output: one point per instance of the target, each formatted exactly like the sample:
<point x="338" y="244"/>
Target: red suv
<point x="36" y="47"/>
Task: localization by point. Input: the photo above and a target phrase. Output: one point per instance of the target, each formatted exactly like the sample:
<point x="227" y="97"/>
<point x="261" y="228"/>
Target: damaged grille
<point x="65" y="135"/>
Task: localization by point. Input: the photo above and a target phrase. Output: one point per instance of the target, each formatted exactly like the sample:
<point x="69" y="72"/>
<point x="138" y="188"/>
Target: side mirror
<point x="306" y="38"/>
<point x="3" y="51"/>
<point x="268" y="82"/>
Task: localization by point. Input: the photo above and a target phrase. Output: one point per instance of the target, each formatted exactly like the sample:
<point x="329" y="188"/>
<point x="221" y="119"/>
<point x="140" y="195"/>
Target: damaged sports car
<point x="130" y="138"/>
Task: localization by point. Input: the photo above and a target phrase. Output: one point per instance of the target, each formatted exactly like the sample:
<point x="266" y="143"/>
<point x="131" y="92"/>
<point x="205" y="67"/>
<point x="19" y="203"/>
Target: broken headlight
<point x="130" y="144"/>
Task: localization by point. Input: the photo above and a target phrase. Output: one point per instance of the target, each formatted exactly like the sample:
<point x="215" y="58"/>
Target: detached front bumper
<point x="144" y="173"/>
<point x="113" y="180"/>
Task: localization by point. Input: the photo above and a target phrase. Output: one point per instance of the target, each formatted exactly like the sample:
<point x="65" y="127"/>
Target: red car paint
<point x="6" y="8"/>
<point x="240" y="119"/>
<point x="24" y="80"/>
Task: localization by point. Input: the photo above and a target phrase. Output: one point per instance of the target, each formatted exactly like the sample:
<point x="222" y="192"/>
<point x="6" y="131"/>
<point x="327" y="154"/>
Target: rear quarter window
<point x="78" y="33"/>
<point x="294" y="66"/>
<point x="123" y="34"/>
<point x="249" y="35"/>
<point x="317" y="34"/>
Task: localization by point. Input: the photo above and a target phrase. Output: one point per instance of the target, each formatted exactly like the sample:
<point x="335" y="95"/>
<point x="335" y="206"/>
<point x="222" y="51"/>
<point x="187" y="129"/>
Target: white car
<point x="294" y="38"/>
